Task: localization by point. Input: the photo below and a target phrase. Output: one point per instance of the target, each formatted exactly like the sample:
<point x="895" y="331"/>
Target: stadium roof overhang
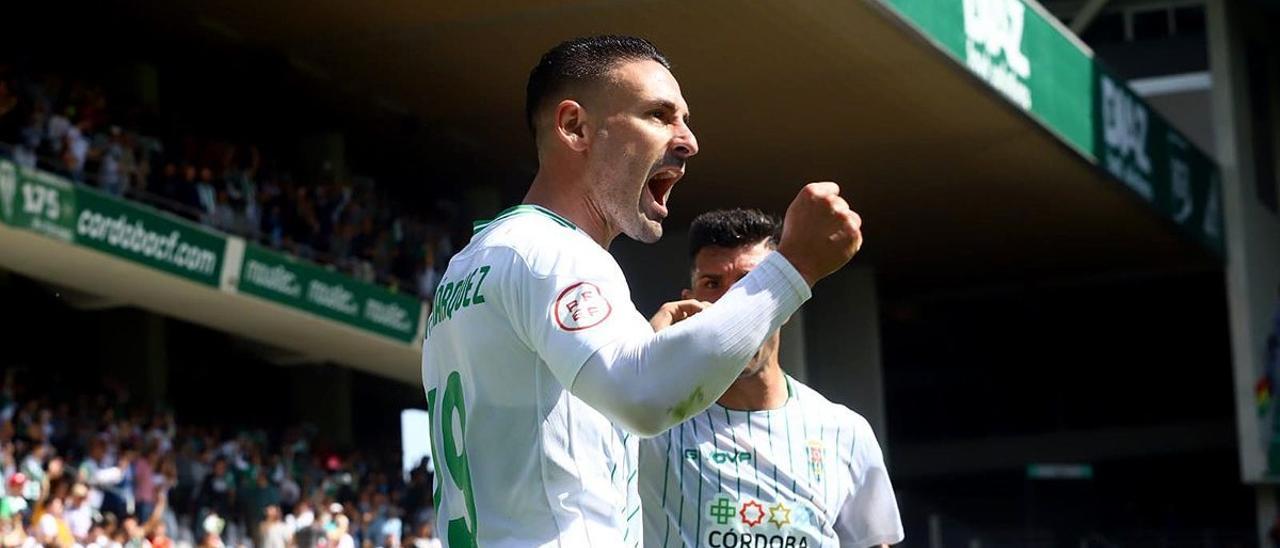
<point x="980" y="148"/>
<point x="975" y="145"/>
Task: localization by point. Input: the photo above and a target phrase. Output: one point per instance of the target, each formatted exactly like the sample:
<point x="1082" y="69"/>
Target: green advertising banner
<point x="140" y="235"/>
<point x="49" y="205"/>
<point x="302" y="285"/>
<point x="36" y="201"/>
<point x="1019" y="50"/>
<point x="1145" y="153"/>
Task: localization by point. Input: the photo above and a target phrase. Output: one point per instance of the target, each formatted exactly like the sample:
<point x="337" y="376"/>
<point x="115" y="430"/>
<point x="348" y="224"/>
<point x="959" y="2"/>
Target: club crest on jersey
<point x="581" y="306"/>
<point x="816" y="462"/>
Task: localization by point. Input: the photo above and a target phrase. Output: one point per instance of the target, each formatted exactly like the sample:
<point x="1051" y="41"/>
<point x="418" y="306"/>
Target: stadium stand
<point x="72" y="128"/>
<point x="105" y="470"/>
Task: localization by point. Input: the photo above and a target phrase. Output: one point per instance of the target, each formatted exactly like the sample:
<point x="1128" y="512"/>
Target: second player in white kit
<point x="806" y="475"/>
<point x="772" y="463"/>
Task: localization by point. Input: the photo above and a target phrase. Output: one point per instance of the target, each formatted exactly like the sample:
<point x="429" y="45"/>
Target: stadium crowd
<point x="100" y="471"/>
<point x="70" y="127"/>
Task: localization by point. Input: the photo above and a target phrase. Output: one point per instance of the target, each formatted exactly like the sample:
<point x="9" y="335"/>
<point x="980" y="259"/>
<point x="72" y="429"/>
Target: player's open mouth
<point x="660" y="185"/>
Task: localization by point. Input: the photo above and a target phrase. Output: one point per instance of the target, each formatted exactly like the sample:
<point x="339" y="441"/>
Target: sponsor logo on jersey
<point x="817" y="463"/>
<point x="752" y="513"/>
<point x="581" y="306"/>
<point x="751" y="523"/>
<point x="720" y="457"/>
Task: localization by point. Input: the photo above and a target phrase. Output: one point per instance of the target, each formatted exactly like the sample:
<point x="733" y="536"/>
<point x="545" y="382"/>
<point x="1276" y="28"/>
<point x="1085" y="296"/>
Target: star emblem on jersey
<point x="752" y="513"/>
<point x="779" y="515"/>
<point x="722" y="510"/>
<point x="581" y="306"/>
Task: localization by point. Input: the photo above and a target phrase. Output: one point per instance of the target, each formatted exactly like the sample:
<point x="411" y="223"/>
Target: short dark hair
<point x="582" y="60"/>
<point x="733" y="228"/>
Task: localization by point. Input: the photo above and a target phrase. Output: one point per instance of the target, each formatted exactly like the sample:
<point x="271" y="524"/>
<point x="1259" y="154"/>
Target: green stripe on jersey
<point x="524" y="208"/>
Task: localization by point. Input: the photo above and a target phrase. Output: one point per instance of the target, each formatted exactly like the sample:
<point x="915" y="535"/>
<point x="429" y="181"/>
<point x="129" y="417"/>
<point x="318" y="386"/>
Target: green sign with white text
<point x="136" y="233"/>
<point x="1136" y="146"/>
<point x="46" y="204"/>
<point x="36" y="201"/>
<point x="1021" y="52"/>
<point x="302" y="285"/>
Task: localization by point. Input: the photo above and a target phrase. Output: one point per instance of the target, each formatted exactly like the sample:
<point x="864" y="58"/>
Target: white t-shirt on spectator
<point x="58" y="127"/>
<point x="520" y="461"/>
<point x="79" y="520"/>
<point x="48" y="526"/>
<point x="78" y="146"/>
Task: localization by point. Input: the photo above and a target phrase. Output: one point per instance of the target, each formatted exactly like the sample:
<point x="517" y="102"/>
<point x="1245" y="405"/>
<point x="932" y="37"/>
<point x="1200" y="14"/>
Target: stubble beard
<point x="624" y="209"/>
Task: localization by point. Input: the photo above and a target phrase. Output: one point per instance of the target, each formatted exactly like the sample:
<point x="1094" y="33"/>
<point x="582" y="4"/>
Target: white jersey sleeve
<point x="567" y="306"/>
<point x="869" y="516"/>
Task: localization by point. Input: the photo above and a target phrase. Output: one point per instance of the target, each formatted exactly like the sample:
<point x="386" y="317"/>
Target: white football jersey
<point x="519" y="460"/>
<point x="809" y="474"/>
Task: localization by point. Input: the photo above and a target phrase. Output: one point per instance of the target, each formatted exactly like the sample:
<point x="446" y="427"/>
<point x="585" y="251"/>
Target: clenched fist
<point x="820" y="233"/>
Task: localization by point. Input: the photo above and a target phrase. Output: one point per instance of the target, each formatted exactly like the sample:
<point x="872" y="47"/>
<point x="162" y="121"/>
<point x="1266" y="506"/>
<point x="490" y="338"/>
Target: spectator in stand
<point x="51" y="526"/>
<point x="79" y="513"/>
<point x="135" y="534"/>
<point x="340" y="536"/>
<point x="24" y="153"/>
<point x="224" y="216"/>
<point x="242" y="163"/>
<point x="56" y="133"/>
<point x="427" y="276"/>
<point x="167" y="184"/>
<point x="274" y="532"/>
<point x="13" y="503"/>
<point x="425" y="536"/>
<point x="144" y="482"/>
<point x="362" y="249"/>
<point x="33" y="470"/>
<point x="326" y="207"/>
<point x="75" y="150"/>
<point x="301" y="223"/>
<point x="188" y="193"/>
<point x="133" y="169"/>
<point x="216" y="495"/>
<point x="207" y="190"/>
<point x="110" y="175"/>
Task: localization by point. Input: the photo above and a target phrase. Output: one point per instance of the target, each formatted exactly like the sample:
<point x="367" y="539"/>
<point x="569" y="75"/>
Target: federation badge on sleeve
<point x="581" y="306"/>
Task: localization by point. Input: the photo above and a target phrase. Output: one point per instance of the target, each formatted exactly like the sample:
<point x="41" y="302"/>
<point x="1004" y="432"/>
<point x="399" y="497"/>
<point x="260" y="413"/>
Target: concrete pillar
<point x="1252" y="230"/>
<point x="842" y="344"/>
<point x="321" y="395"/>
<point x="1266" y="512"/>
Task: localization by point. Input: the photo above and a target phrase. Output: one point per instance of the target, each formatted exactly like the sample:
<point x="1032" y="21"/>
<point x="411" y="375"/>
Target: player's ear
<point x="686" y="294"/>
<point x="570" y="125"/>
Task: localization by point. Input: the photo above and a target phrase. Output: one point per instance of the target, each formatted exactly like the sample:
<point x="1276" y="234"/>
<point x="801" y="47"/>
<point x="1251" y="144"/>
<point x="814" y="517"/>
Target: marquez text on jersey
<point x="519" y="460"/>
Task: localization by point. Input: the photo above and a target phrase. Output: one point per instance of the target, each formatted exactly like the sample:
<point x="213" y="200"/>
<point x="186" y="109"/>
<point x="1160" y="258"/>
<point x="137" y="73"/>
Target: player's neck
<point x="765" y="390"/>
<point x="572" y="205"/>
